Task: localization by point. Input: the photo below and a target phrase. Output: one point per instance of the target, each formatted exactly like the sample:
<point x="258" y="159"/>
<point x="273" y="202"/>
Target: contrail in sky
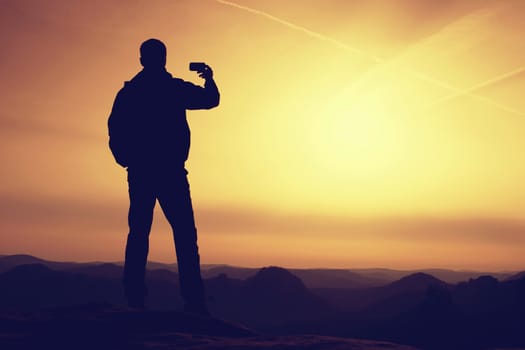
<point x="376" y="59"/>
<point x="307" y="31"/>
<point x="483" y="85"/>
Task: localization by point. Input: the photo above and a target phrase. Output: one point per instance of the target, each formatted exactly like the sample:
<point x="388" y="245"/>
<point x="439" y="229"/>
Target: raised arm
<point x="198" y="97"/>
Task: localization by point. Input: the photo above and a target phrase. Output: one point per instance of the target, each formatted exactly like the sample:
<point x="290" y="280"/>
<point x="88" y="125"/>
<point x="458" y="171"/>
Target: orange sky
<point x="350" y="133"/>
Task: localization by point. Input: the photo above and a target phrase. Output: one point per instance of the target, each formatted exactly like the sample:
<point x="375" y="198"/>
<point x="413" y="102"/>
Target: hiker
<point x="150" y="136"/>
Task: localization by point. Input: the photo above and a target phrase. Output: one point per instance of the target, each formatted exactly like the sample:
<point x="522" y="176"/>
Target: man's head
<point x="153" y="54"/>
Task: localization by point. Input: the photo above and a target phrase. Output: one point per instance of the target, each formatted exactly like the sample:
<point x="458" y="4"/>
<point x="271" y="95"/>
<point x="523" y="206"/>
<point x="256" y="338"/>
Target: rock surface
<point x="103" y="326"/>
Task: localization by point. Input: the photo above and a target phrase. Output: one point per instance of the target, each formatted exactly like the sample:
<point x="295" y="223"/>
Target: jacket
<point x="148" y="126"/>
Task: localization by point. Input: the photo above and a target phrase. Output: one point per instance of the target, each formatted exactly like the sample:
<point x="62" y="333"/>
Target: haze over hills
<point x="417" y="309"/>
<point x="516" y="276"/>
<point x="353" y="278"/>
<point x="312" y="277"/>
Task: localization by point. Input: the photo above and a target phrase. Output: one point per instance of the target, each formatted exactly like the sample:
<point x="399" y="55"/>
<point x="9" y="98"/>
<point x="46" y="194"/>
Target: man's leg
<point x="142" y="202"/>
<point x="175" y="200"/>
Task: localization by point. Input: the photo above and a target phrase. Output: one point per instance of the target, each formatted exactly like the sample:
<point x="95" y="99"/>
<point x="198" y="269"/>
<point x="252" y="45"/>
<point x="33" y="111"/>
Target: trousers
<point x="168" y="185"/>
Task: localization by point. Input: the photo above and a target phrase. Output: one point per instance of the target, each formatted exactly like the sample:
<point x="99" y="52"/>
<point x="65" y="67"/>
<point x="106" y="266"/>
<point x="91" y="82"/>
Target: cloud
<point x="55" y="212"/>
<point x="416" y="229"/>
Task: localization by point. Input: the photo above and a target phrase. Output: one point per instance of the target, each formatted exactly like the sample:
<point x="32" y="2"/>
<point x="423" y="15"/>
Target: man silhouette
<point x="150" y="136"/>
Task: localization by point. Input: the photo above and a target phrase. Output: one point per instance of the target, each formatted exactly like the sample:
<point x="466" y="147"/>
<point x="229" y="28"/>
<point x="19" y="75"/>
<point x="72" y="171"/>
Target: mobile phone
<point x="197" y="66"/>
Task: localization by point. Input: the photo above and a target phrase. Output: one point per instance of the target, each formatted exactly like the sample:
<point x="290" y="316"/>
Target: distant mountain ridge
<point x="418" y="309"/>
<point x="312" y="278"/>
<point x="416" y="281"/>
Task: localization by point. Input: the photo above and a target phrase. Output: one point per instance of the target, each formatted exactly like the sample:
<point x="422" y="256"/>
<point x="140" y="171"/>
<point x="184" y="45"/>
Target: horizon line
<point x="375" y="267"/>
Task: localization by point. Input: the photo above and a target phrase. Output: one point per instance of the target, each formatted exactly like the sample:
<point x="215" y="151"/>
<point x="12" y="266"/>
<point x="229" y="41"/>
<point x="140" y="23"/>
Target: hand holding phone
<point x="202" y="68"/>
<point x="198" y="66"/>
